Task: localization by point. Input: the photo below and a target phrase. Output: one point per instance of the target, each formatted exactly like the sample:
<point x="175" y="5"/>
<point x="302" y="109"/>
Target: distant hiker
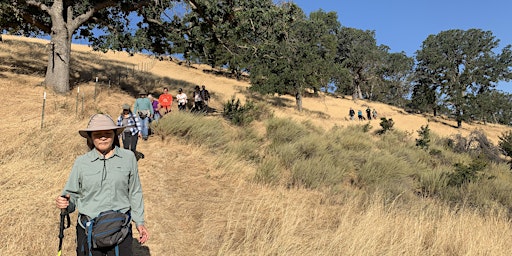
<point x="351" y="113"/>
<point x="144" y="110"/>
<point x="155" y="105"/>
<point x="165" y="101"/>
<point x="374" y="114"/>
<point x="198" y="100"/>
<point x="368" y="113"/>
<point x="132" y="130"/>
<point x="206" y="96"/>
<point x="182" y="100"/>
<point x="103" y="179"/>
<point x="360" y="115"/>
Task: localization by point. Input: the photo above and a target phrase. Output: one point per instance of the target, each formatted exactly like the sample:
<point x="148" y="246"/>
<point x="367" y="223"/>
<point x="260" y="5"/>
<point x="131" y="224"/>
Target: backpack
<point x="108" y="229"/>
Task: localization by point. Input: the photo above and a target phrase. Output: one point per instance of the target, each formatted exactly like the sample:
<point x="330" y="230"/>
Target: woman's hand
<point x="143" y="234"/>
<point x="62" y="202"/>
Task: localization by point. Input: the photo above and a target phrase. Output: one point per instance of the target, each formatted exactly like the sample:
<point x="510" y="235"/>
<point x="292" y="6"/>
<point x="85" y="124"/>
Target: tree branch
<point x="30" y="18"/>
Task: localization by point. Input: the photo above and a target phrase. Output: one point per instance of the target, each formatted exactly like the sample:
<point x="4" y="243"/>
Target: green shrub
<point x="465" y="174"/>
<point x="424" y="137"/>
<point x="386" y="124"/>
<point x="242" y="115"/>
<point x="505" y="145"/>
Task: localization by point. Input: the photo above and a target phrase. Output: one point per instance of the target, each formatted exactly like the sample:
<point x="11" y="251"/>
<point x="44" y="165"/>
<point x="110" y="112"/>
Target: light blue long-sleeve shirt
<point x="96" y="185"/>
<point x="142" y="104"/>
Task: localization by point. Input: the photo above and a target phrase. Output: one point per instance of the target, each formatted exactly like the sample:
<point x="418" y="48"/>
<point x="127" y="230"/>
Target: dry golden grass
<point x="209" y="208"/>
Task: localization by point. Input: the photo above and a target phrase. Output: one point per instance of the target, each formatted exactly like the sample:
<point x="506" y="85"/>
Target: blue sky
<point x="404" y="24"/>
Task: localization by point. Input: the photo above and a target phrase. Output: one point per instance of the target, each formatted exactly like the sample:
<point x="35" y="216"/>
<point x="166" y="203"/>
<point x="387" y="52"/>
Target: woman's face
<point x="103" y="140"/>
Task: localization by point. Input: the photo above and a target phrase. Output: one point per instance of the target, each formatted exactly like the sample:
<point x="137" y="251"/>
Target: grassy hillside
<point x="311" y="183"/>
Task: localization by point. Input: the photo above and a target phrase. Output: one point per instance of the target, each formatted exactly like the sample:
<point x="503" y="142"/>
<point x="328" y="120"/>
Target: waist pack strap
<point x="89" y="237"/>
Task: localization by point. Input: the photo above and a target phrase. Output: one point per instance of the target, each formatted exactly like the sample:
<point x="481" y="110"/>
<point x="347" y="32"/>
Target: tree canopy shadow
<point x="122" y="75"/>
<point x="34" y="61"/>
<point x="85" y="67"/>
<point x="272" y="100"/>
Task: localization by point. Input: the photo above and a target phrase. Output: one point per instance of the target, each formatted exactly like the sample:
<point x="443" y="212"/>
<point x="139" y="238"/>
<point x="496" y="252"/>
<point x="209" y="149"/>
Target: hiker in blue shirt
<point x="144" y="110"/>
<point x="360" y="115"/>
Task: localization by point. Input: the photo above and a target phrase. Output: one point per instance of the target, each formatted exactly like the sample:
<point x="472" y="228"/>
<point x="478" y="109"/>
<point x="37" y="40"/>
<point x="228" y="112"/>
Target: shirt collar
<point x="93" y="154"/>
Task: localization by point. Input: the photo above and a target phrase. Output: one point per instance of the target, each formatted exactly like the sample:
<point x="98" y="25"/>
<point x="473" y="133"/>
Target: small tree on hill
<point x="505" y="145"/>
<point x="424" y="137"/>
<point x="386" y="124"/>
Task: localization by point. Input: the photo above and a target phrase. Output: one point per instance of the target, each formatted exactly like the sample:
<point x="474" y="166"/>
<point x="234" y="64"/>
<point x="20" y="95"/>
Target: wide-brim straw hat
<point x="101" y="122"/>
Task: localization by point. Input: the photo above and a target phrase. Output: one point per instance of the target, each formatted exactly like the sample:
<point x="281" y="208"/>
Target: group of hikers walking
<point x="104" y="185"/>
<point x="369" y="114"/>
<point x="149" y="109"/>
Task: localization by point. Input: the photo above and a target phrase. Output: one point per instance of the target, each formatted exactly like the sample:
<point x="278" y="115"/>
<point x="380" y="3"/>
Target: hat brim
<point x="118" y="129"/>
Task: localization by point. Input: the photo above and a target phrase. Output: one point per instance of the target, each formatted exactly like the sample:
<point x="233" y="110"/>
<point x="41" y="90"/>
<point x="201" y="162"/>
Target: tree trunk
<point x="459" y="118"/>
<point x="59" y="56"/>
<point x="57" y="72"/>
<point x="298" y="101"/>
<point x="357" y="94"/>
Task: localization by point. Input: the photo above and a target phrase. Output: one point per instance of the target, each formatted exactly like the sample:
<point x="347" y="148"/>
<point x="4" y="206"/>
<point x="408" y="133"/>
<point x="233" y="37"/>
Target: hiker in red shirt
<point x="165" y="101"/>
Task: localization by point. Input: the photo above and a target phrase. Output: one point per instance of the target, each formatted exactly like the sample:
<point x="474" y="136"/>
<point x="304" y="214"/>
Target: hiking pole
<point x="63" y="215"/>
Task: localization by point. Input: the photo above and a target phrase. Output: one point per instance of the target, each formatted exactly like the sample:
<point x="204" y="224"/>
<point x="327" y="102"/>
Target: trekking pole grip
<point x="64" y="213"/>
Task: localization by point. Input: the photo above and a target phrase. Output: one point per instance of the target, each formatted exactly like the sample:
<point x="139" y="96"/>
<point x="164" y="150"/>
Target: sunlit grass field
<point x="279" y="186"/>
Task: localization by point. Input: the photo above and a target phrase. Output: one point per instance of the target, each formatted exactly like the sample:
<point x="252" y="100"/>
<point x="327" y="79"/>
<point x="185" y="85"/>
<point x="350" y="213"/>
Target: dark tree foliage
<point x="505" y="145"/>
<point x="358" y="52"/>
<point x="395" y="86"/>
<point x="299" y="56"/>
<point x="461" y="64"/>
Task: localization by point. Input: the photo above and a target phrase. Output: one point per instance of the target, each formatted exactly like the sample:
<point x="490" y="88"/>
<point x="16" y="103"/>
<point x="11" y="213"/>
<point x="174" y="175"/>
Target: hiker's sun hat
<point x="101" y="122"/>
<point x="126" y="106"/>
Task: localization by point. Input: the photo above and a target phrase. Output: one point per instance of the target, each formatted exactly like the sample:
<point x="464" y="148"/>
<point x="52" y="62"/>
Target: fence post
<point x="95" y="85"/>
<point x="42" y="114"/>
<point x="83" y="96"/>
<point x="77" y="93"/>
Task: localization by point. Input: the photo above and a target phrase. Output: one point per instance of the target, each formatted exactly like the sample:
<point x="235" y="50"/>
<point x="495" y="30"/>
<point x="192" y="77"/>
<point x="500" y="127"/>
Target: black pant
<point x="130" y="141"/>
<point x="198" y="106"/>
<point x="82" y="249"/>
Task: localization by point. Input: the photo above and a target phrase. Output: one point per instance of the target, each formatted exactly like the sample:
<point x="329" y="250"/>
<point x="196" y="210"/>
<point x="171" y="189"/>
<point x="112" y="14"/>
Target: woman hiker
<point x="132" y="128"/>
<point x="105" y="178"/>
